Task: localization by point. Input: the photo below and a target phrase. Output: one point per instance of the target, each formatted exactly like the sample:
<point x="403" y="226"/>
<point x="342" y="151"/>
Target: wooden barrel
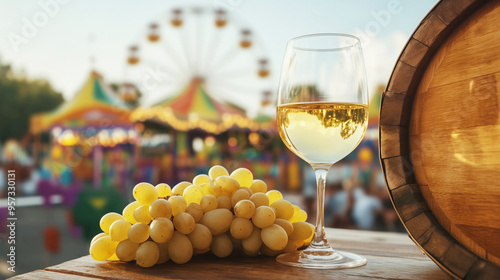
<point x="439" y="137"/>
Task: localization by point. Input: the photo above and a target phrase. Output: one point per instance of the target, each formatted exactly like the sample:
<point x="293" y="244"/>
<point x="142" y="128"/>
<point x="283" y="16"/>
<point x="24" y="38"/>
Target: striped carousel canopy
<point x="95" y="105"/>
<point x="194" y="108"/>
<point x="194" y="102"/>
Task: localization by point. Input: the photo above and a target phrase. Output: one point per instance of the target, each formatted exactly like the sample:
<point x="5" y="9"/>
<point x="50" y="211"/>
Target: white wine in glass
<point x="322" y="116"/>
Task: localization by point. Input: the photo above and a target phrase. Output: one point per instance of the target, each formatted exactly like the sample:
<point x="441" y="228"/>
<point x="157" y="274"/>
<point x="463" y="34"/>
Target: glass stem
<point x="319" y="240"/>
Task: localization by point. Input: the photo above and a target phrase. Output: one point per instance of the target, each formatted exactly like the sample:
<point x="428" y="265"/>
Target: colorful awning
<point x="95" y="105"/>
<point x="194" y="102"/>
<point x="194" y="108"/>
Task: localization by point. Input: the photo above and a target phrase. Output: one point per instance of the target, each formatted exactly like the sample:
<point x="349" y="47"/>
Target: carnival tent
<point x="194" y="108"/>
<point x="95" y="105"/>
<point x="93" y="119"/>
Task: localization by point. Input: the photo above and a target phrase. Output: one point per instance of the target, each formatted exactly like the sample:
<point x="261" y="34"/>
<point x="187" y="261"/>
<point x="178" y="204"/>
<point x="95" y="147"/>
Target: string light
<point x="166" y="115"/>
<point x="105" y="137"/>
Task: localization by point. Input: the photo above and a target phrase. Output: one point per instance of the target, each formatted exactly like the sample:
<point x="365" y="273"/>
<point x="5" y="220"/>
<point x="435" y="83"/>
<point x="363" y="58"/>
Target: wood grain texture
<point x="51" y="275"/>
<point x="443" y="175"/>
<point x="248" y="268"/>
<point x="405" y="72"/>
<point x="393" y="109"/>
<point x="408" y="203"/>
<point x="430" y="29"/>
<point x="458" y="122"/>
<point x="398" y="171"/>
<point x="389" y="137"/>
<point x="415" y="53"/>
<point x="390" y="256"/>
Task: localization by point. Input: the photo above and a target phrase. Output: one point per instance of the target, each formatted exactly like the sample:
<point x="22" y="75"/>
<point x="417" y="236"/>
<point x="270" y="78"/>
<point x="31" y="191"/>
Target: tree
<point x="20" y="98"/>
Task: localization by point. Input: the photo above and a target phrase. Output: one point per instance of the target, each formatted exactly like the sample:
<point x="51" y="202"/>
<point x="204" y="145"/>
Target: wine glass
<point x="322" y="116"/>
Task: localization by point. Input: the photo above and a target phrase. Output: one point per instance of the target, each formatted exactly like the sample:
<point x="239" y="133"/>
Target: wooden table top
<point x="390" y="256"/>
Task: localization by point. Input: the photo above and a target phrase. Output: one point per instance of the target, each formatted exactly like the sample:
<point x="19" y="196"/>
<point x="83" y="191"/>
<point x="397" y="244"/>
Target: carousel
<point x="87" y="160"/>
<point x="80" y="130"/>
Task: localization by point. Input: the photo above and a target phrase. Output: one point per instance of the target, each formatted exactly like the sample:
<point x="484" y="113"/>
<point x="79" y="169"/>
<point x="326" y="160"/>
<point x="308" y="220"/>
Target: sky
<point x="55" y="40"/>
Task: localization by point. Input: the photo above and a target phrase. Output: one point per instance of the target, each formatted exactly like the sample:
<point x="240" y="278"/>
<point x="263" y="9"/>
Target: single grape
<point x="195" y="210"/>
<point x="180" y="248"/>
<point x="193" y="194"/>
<point x="160" y="208"/>
<point x="309" y="239"/>
<point x="241" y="228"/>
<point x="163" y="190"/>
<point x="274" y="195"/>
<point x="218" y="190"/>
<point x="253" y="242"/>
<point x="138" y="233"/>
<point x="263" y="217"/>
<point x="259" y="199"/>
<point x="216" y="171"/>
<point x="286" y="225"/>
<point x="299" y="215"/>
<point x="228" y="185"/>
<point x="201" y="237"/>
<point x="301" y="231"/>
<point x="161" y="230"/>
<point x="128" y="211"/>
<point x="249" y="191"/>
<point x="283" y="209"/>
<point x="201" y="179"/>
<point x="218" y="220"/>
<point x="208" y="203"/>
<point x="147" y="254"/>
<point x="239" y="195"/>
<point x="207" y="189"/>
<point x="224" y="202"/>
<point x="300" y="243"/>
<point x="244" y="209"/>
<point x="103" y="248"/>
<point x="243" y="176"/>
<point x="118" y="231"/>
<point x="108" y="219"/>
<point x="163" y="257"/>
<point x="145" y="193"/>
<point x="274" y="237"/>
<point x="258" y="186"/>
<point x="221" y="246"/>
<point x="291" y="246"/>
<point x="141" y="214"/>
<point x="102" y="234"/>
<point x="126" y="249"/>
<point x="180" y="187"/>
<point x="184" y="223"/>
<point x="178" y="204"/>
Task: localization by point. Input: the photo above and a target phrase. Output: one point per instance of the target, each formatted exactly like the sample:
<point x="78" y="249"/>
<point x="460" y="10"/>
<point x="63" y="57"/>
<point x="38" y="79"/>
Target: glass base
<point x="324" y="260"/>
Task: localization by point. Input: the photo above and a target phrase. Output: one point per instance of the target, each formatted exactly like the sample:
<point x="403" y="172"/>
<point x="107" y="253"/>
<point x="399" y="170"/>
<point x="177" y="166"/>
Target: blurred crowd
<point x="355" y="198"/>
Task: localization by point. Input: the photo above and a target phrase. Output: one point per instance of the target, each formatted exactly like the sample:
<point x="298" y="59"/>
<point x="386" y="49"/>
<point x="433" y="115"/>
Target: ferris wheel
<point x="199" y="44"/>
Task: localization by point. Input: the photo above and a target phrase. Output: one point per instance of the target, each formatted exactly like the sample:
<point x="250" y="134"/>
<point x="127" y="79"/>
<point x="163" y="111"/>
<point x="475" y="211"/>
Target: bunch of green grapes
<point x="218" y="212"/>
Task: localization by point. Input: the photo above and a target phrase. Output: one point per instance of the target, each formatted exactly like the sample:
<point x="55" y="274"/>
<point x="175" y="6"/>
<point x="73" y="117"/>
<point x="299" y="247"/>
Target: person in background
<point x="389" y="216"/>
<point x="338" y="206"/>
<point x="366" y="208"/>
<point x="309" y="192"/>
